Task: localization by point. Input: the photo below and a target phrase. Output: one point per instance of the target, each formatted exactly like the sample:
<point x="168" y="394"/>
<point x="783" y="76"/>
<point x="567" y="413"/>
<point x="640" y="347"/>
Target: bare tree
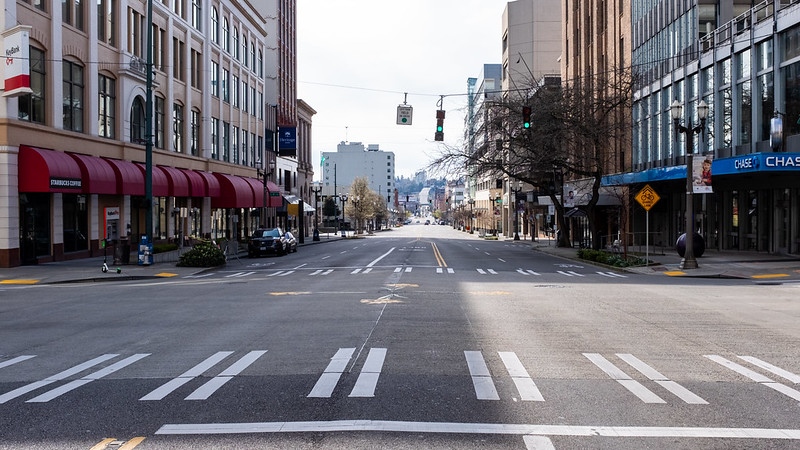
<point x="575" y="130"/>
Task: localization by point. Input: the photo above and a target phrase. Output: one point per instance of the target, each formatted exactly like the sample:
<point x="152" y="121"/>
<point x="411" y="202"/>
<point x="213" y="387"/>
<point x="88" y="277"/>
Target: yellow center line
<point x="132" y="443"/>
<point x="438" y="255"/>
<point x="771" y="275"/>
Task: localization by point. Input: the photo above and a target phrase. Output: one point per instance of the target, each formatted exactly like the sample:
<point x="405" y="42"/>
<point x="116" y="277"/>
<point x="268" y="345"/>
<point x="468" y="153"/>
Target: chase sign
<point x="758" y="162"/>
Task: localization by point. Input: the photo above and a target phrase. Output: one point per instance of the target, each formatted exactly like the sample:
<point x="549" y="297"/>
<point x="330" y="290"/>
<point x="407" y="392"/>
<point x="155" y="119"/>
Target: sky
<point x="358" y="58"/>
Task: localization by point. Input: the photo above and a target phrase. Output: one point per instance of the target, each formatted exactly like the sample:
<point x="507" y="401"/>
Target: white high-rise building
<point x="352" y="160"/>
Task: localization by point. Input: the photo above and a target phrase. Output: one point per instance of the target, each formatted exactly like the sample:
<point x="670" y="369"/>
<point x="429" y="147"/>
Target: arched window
<point x="214" y="26"/>
<point x="226" y="35"/>
<point x="235" y="45"/>
<point x="253" y="55"/>
<point x="244" y="51"/>
<point x="260" y="64"/>
<point x="138" y="134"/>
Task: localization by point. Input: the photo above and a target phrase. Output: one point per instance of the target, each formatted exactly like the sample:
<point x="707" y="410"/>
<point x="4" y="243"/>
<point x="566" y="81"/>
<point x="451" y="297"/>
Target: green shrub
<point x="161" y="248"/>
<point x="610" y="259"/>
<point x="203" y="254"/>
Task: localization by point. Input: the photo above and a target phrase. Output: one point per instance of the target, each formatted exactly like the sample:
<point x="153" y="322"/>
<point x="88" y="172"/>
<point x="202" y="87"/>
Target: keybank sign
<point x="757" y="162"/>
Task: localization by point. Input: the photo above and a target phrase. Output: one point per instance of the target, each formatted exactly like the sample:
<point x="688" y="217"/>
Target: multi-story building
<point x="353" y="160"/>
<point x="72" y="149"/>
<point x="742" y="59"/>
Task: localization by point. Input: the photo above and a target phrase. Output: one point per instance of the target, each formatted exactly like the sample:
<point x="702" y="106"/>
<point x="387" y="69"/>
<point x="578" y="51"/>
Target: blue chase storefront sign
<point x="757" y="162"/>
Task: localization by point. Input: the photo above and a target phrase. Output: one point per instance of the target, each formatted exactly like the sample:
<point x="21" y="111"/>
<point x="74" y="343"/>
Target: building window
<point x="260" y="64"/>
<point x="159" y="50"/>
<point x="245" y="98"/>
<point x="767" y="90"/>
<point x="177" y="59"/>
<point x="107" y="103"/>
<point x="253" y="100"/>
<point x="791" y="84"/>
<point x="214" y="25"/>
<point x="72" y="13"/>
<point x="106" y="25"/>
<point x="160" y="116"/>
<point x="235" y="44"/>
<point x="72" y="96"/>
<point x="215" y="79"/>
<point x="245" y="161"/>
<point x="253" y="55"/>
<point x="177" y="8"/>
<point x="246" y="60"/>
<point x="235" y="86"/>
<point x="177" y="127"/>
<point x="235" y="145"/>
<point x="226" y="95"/>
<point x="38" y="4"/>
<point x="252" y="149"/>
<point x="135" y="32"/>
<point x="197" y="15"/>
<point x="214" y="138"/>
<point x="226" y="35"/>
<point x="226" y="141"/>
<point x="261" y="105"/>
<point x="31" y="106"/>
<point x="195" y="144"/>
<point x="197" y="69"/>
<point x="138" y="135"/>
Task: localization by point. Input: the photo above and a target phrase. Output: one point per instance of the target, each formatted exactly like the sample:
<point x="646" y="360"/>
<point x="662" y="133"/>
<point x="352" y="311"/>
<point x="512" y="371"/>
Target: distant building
<point x="352" y="160"/>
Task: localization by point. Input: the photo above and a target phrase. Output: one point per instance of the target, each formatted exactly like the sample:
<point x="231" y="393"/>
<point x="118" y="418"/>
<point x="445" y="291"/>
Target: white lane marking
<point x="16" y="360"/>
<point x="170" y="386"/>
<point x="538" y="443"/>
<point x="239" y="274"/>
<point x="326" y="257"/>
<point x="481" y="428"/>
<point x="757" y="377"/>
<point x="528" y="272"/>
<point x="450" y="270"/>
<point x="487" y="253"/>
<point x="770" y="368"/>
<point x="316" y="272"/>
<point x="481" y="271"/>
<point x="375" y="261"/>
<point x="569" y="273"/>
<point x="398" y="269"/>
<point x="72" y="385"/>
<point x="326" y="272"/>
<point x="481" y="378"/>
<point x="212" y="385"/>
<point x="522" y="380"/>
<point x="202" y="275"/>
<point x="501" y="259"/>
<point x="368" y="379"/>
<point x="622" y="378"/>
<point x="651" y="373"/>
<point x="367" y="270"/>
<point x="57" y="377"/>
<point x="491" y="271"/>
<point x="439" y="270"/>
<point x="612" y="275"/>
<point x="355" y="271"/>
<point x="288" y="272"/>
<point x="330" y="377"/>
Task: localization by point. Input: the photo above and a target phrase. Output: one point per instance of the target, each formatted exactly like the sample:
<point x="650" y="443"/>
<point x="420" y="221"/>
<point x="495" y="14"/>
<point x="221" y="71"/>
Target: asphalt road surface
<point x="422" y="337"/>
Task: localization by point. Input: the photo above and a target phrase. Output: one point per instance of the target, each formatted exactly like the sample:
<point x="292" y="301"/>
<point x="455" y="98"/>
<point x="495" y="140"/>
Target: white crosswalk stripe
<point x="487" y="271"/>
<point x="16" y="360"/>
<point x="321" y="272"/>
<point x="330" y="377"/>
<point x="528" y="272"/>
<point x="368" y="379"/>
<point x="757" y="377"/>
<point x="612" y="275"/>
<point x="239" y="275"/>
<point x="651" y="373"/>
<point x="525" y="386"/>
<point x="443" y="269"/>
<point x="636" y="388"/>
<point x="481" y="378"/>
<point x="569" y="273"/>
<point x="212" y="385"/>
<point x="186" y="377"/>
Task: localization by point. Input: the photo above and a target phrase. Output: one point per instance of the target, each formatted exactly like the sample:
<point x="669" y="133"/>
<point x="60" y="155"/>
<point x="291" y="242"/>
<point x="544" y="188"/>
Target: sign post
<point x="647" y="197"/>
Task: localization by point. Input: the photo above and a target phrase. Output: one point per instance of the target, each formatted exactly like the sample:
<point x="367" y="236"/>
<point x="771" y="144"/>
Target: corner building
<point x="743" y="60"/>
<point x="72" y="151"/>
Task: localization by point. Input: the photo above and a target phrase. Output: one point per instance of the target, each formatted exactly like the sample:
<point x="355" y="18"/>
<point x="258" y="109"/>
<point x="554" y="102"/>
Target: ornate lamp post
<point x="264" y="175"/>
<point x="316" y="191"/>
<point x="343" y="197"/>
<point x="471" y="202"/>
<point x="516" y="208"/>
<point x="676" y="110"/>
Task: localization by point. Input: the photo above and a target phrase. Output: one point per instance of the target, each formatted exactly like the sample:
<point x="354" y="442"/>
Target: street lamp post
<point x="676" y="110"/>
<point x="316" y="191"/>
<point x="264" y="175"/>
<point x="471" y="202"/>
<point x="343" y="197"/>
<point x="516" y="209"/>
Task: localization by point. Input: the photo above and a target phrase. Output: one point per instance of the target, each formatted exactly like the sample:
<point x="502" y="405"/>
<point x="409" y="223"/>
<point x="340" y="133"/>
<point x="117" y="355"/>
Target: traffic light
<point x="439" y="135"/>
<point x="526" y="116"/>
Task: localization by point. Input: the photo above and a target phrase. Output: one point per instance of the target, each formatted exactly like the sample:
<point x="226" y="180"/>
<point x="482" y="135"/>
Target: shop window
<point x="75" y="223"/>
<point x="34" y="226"/>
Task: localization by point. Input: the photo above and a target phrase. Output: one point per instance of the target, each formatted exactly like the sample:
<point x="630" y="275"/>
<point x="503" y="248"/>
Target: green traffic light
<point x="526" y="125"/>
<point x="439" y="128"/>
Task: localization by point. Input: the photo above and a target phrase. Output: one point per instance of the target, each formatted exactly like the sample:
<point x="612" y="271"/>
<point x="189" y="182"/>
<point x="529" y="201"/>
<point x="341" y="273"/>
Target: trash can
<point x="125" y="257"/>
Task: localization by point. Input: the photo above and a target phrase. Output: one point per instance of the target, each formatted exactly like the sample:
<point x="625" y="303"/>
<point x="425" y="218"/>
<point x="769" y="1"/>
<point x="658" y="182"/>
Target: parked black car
<point x="266" y="241"/>
<point x="291" y="242"/>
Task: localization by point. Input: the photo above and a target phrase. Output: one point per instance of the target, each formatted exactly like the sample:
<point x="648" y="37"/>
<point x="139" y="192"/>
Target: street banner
<point x="18" y="61"/>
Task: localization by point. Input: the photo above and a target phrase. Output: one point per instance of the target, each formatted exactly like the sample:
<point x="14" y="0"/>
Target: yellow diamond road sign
<point x="647" y="197"/>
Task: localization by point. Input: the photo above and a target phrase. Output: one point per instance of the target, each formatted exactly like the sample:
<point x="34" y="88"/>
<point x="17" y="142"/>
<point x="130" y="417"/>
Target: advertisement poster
<point x="701" y="174"/>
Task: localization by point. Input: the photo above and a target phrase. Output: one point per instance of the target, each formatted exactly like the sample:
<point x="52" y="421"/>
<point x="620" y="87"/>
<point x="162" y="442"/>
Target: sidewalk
<point x="90" y="269"/>
<point x="713" y="263"/>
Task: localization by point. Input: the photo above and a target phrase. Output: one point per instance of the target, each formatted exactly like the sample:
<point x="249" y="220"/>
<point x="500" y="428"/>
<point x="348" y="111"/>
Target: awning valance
<point x="42" y="170"/>
<point x="177" y="182"/>
<point x="235" y="192"/>
<point x="197" y="185"/>
<point x="130" y="180"/>
<point x="211" y="184"/>
<point x="98" y="176"/>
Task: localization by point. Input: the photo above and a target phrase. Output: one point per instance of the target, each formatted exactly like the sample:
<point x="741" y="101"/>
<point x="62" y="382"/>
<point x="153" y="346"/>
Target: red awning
<point x="274" y="200"/>
<point x="160" y="183"/>
<point x="258" y="191"/>
<point x="42" y="170"/>
<point x="177" y="181"/>
<point x="98" y="176"/>
<point x="130" y="180"/>
<point x="197" y="185"/>
<point x="235" y="192"/>
<point x="211" y="184"/>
